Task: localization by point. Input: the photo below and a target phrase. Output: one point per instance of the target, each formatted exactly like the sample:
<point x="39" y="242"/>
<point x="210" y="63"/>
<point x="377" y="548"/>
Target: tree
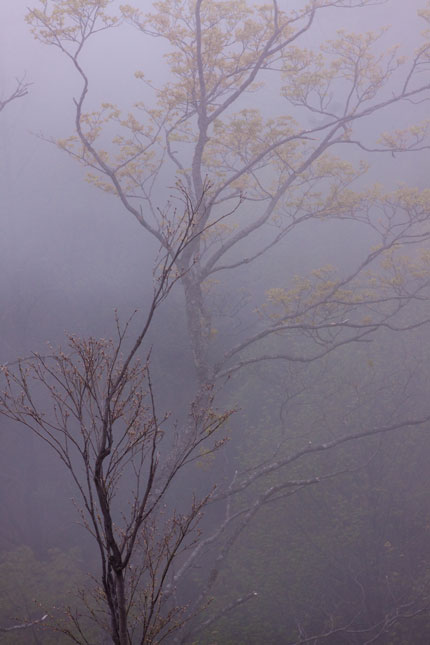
<point x="103" y="425"/>
<point x="272" y="171"/>
<point x="343" y="557"/>
<point x="270" y="176"/>
<point x="95" y="407"/>
<point x="21" y="89"/>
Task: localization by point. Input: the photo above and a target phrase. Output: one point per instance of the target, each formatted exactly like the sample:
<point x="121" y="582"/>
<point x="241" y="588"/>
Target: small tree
<point x="94" y="405"/>
<point x="21" y="89"/>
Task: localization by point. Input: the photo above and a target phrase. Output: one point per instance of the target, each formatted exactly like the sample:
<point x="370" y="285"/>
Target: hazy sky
<point x="57" y="234"/>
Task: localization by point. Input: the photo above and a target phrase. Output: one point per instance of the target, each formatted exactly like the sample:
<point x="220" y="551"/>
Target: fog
<point x="277" y="295"/>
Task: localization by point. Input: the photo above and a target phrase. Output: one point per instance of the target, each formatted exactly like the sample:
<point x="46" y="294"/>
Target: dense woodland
<point x="214" y="402"/>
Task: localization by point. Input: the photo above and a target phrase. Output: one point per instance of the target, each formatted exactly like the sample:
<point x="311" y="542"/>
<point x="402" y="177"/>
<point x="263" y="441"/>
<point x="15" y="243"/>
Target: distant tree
<point x="21" y="89"/>
<point x="270" y="175"/>
<point x="30" y="586"/>
<point x="345" y="556"/>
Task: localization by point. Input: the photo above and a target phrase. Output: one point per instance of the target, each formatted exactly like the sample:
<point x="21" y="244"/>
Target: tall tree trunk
<point x="199" y="326"/>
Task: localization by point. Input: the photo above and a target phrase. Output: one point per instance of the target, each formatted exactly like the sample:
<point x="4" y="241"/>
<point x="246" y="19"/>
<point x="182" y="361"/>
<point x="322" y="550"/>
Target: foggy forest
<point x="215" y="322"/>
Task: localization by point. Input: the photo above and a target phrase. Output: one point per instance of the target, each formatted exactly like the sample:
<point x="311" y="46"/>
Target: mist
<point x="215" y="295"/>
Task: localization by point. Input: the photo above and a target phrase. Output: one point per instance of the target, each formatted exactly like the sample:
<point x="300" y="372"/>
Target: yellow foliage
<point x="199" y="123"/>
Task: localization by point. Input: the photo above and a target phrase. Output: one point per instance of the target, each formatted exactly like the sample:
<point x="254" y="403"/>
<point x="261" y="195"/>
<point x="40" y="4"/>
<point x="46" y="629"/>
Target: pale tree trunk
<point x="199" y="327"/>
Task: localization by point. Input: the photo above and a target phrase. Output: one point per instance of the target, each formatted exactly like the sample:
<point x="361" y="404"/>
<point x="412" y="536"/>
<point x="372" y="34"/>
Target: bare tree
<point x="21" y="89"/>
<point x="94" y="405"/>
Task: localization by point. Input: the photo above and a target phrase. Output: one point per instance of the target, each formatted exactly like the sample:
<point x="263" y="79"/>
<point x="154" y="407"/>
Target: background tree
<point x="344" y="556"/>
<point x="276" y="173"/>
<point x="21" y="89"/>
